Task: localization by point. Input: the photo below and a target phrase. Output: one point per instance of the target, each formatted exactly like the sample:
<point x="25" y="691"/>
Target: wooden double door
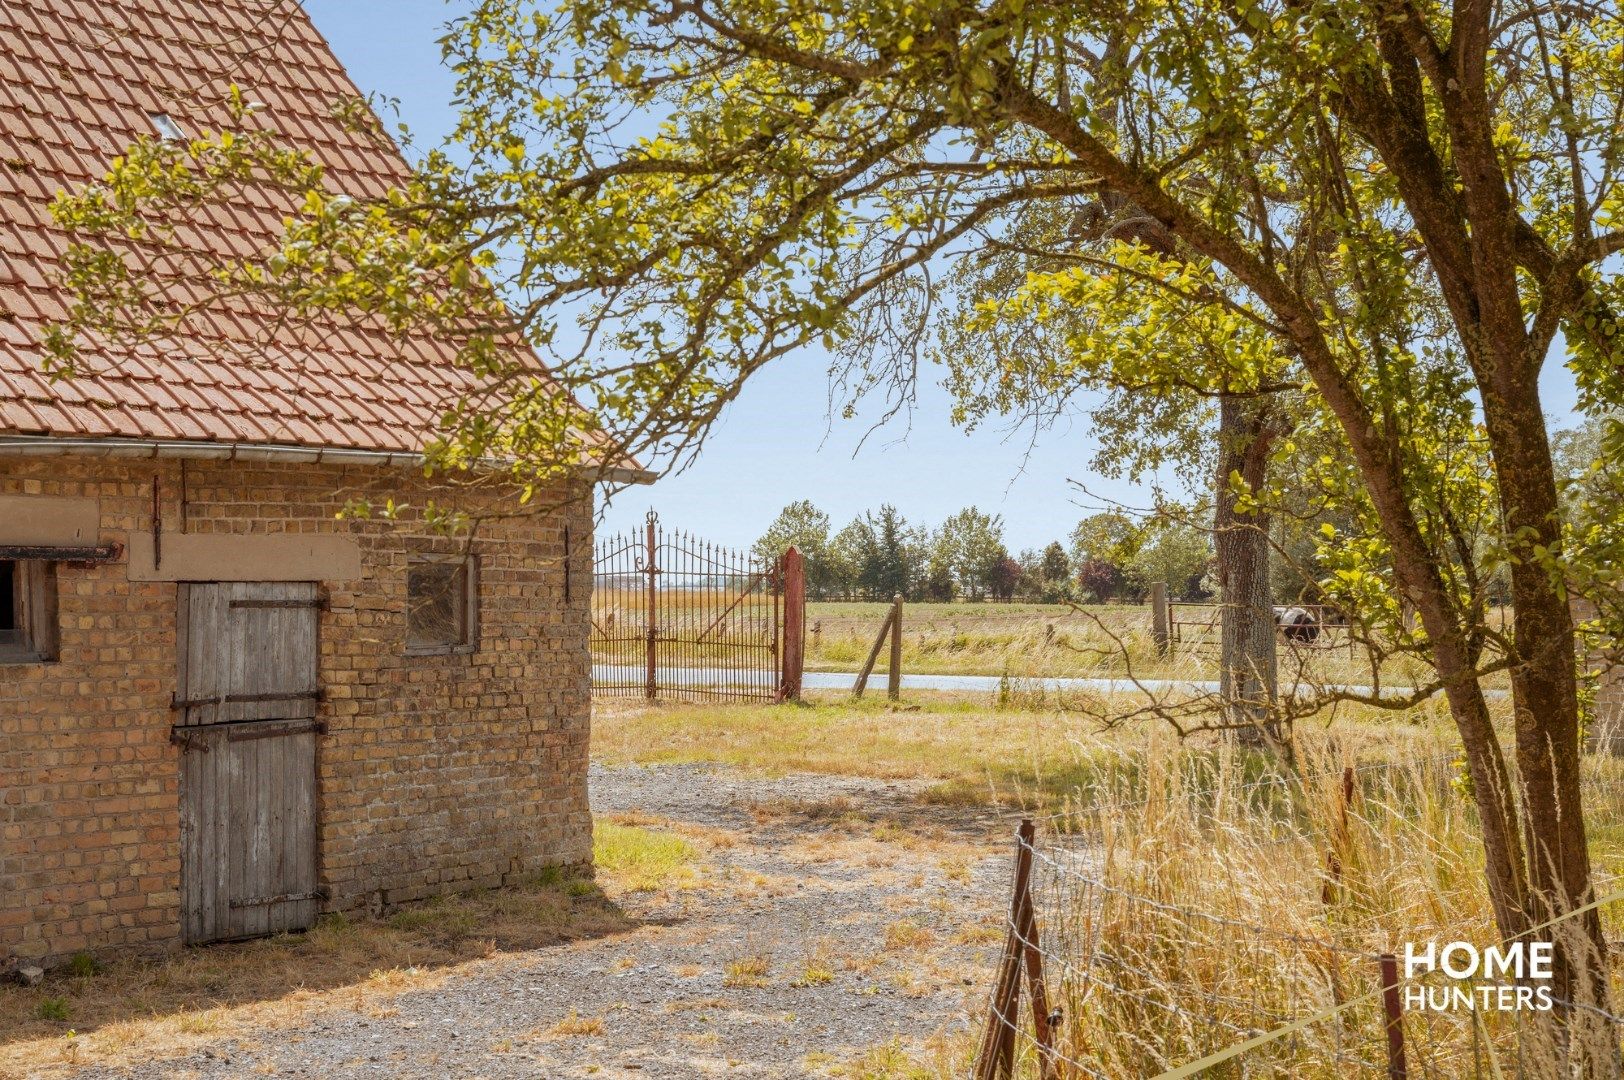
<point x="246" y="720"/>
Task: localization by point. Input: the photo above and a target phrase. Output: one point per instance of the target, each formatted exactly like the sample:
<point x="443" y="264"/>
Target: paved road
<point x="843" y="680"/>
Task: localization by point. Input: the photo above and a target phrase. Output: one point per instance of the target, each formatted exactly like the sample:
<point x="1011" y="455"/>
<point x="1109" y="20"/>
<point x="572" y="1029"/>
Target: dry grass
<point x="1200" y="907"/>
<point x="817" y="970"/>
<point x="143" y="1009"/>
<point x="966" y="751"/>
<point x="750" y="970"/>
<point x="1244" y="871"/>
<point x="1038" y="640"/>
<point x="935" y="1059"/>
<point x="905" y="935"/>
<point x="575" y="1025"/>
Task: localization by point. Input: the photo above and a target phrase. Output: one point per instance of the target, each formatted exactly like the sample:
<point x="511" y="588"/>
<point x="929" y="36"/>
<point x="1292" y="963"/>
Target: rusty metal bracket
<point x="104" y="553"/>
<point x="321" y="603"/>
<point x="176" y="703"/>
<point x="247" y="730"/>
<point x="285" y="898"/>
<point x="183" y="738"/>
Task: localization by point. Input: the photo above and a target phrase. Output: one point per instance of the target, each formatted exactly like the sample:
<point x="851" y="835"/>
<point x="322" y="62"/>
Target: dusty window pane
<point x="436" y="605"/>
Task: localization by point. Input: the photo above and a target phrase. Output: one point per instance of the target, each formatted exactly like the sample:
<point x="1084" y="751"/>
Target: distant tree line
<point x="879" y="554"/>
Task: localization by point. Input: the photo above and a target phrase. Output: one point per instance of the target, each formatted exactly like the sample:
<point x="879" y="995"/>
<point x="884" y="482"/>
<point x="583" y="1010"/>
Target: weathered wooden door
<point x="246" y="721"/>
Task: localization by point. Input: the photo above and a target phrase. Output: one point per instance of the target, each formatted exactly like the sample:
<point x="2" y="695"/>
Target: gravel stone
<point x="493" y="1018"/>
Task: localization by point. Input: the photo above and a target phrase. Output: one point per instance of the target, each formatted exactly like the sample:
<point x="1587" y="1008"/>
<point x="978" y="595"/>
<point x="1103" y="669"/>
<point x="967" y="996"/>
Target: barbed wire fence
<point x="1110" y="974"/>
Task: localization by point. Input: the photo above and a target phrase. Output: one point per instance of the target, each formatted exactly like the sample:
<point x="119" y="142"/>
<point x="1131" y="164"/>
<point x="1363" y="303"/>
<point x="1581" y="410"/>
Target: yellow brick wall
<point x="437" y="772"/>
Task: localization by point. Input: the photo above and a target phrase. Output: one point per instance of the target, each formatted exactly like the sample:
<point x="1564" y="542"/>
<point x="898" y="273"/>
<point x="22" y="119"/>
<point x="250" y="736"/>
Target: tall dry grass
<point x="1199" y="907"/>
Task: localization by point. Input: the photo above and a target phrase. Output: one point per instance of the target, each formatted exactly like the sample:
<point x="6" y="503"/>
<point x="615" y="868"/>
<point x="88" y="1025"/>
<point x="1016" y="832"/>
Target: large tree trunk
<point x="1247" y="684"/>
<point x="1544" y="692"/>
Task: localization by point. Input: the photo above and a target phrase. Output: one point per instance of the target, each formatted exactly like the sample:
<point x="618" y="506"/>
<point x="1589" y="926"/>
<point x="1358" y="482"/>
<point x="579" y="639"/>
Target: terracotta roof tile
<point x="77" y="80"/>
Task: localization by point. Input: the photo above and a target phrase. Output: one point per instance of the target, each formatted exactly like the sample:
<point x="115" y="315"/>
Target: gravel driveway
<point x="871" y="916"/>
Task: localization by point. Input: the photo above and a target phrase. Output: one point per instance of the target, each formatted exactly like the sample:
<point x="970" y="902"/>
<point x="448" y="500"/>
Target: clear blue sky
<point x="777" y="444"/>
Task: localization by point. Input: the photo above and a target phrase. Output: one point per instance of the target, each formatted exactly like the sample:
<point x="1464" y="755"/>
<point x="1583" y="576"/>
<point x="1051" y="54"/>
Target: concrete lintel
<point x="49" y="520"/>
<point x="226" y="557"/>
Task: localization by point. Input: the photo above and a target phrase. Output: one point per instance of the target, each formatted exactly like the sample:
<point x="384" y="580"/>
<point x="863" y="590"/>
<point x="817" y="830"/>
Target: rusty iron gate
<point x="675" y="616"/>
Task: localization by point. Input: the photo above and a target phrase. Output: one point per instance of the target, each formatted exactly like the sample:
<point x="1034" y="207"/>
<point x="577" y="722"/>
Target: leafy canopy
<point x="665" y="196"/>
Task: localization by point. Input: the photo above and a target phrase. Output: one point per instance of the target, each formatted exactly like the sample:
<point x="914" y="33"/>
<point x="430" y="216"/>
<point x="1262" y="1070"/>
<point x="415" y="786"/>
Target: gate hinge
<point x="177" y="703"/>
<point x="320" y="603"/>
<point x="283" y="898"/>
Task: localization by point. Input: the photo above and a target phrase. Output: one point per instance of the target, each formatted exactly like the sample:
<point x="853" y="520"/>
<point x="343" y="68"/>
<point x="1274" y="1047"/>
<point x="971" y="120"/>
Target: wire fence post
<point x="1340" y="843"/>
<point x="1396" y="1067"/>
<point x="996" y="1058"/>
<point x="1037" y="991"/>
<point x="893" y="684"/>
<point x="1160" y="630"/>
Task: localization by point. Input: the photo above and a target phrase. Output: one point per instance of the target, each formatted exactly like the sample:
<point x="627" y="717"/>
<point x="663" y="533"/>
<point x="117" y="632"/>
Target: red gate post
<point x="651" y="597"/>
<point x="793" y="655"/>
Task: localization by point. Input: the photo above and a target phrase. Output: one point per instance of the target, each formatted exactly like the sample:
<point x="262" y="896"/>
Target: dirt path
<point x="827" y="917"/>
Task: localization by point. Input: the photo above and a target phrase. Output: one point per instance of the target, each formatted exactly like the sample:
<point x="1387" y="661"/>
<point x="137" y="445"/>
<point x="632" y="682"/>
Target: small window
<point x="27" y="611"/>
<point x="167" y="129"/>
<point x="442" y="604"/>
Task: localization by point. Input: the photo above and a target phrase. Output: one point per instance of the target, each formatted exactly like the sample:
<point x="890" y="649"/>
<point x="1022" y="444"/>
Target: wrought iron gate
<point x="674" y="616"/>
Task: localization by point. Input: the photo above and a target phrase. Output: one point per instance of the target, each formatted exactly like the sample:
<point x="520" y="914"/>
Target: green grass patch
<point x="643" y="860"/>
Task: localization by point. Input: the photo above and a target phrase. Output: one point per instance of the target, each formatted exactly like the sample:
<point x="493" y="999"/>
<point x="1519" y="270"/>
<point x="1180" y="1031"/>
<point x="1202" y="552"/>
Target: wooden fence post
<point x="996" y="1058"/>
<point x="1396" y="1067"/>
<point x="793" y="656"/>
<point x="1340" y="842"/>
<point x="651" y="599"/>
<point x="893" y="685"/>
<point x="873" y="654"/>
<point x="1160" y="621"/>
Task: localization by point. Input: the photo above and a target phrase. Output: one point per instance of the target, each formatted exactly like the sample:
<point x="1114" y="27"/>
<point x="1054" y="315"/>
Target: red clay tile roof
<point x="79" y="79"/>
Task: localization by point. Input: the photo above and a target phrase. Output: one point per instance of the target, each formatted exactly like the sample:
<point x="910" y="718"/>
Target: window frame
<point x="34" y="602"/>
<point x="469" y="612"/>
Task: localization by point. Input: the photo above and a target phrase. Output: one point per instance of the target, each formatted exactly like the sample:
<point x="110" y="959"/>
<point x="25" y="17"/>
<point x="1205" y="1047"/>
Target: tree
<point x="849" y="552"/>
<point x="1054" y="572"/>
<point x="1175" y="552"/>
<point x="1247" y="676"/>
<point x="973" y="542"/>
<point x="1155" y="416"/>
<point x="886" y="571"/>
<point x="805" y="527"/>
<point x="1100" y="580"/>
<point x="1031" y="584"/>
<point x="1004" y="578"/>
<point x="1110" y="536"/>
<point x="720" y="184"/>
<point x="937" y="584"/>
<point x="936" y="576"/>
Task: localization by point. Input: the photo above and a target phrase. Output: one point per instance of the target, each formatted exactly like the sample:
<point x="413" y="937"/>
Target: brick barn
<point x="223" y="710"/>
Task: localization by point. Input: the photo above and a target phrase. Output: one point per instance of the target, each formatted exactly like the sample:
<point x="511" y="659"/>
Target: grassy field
<point x="966" y="748"/>
<point x="1025" y="641"/>
<point x="1047" y="640"/>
